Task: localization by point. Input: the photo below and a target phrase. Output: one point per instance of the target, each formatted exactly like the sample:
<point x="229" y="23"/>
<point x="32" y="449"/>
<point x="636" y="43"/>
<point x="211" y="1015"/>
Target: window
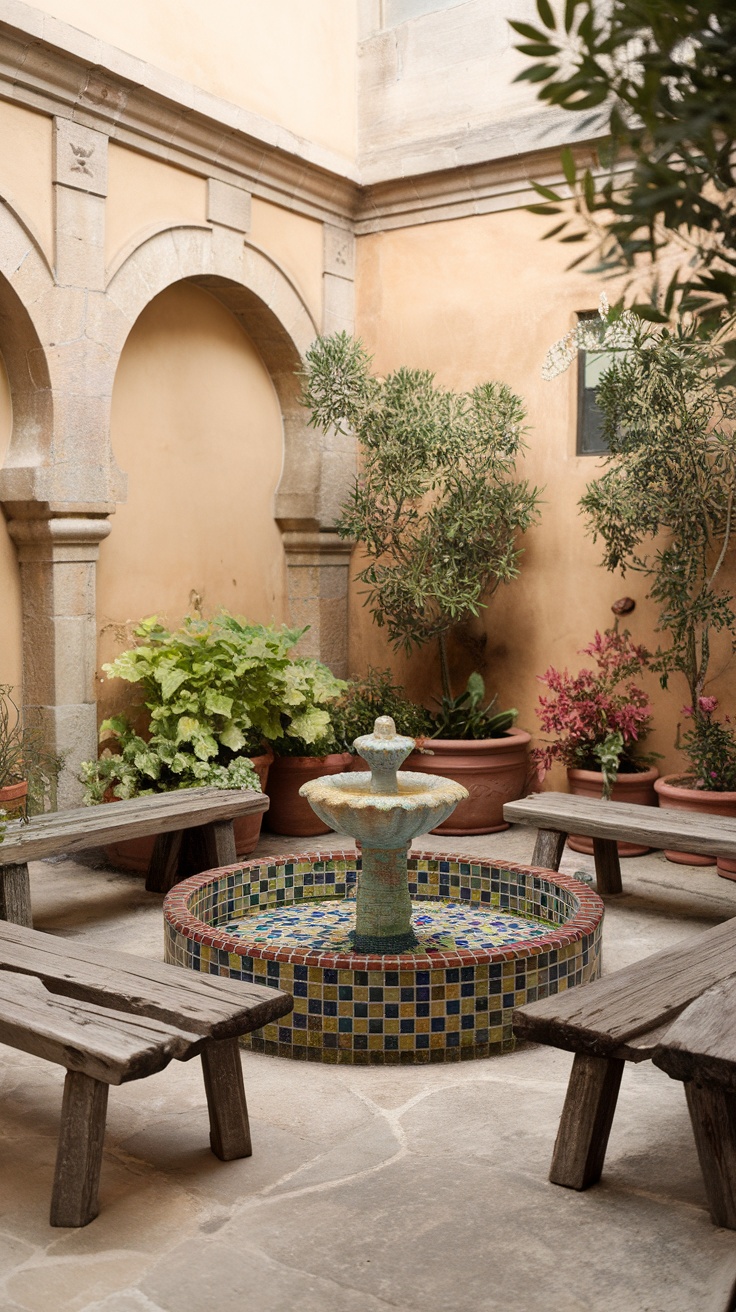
<point x="591" y="366"/>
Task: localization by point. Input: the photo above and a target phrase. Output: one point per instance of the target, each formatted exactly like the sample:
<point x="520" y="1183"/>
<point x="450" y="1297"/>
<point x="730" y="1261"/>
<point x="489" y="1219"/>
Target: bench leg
<point x="607" y="868"/>
<point x="713" y="1116"/>
<point x="79" y="1155"/>
<point x="15" y="895"/>
<point x="548" y="849"/>
<point x="164" y="864"/>
<point x="219" y="844"/>
<point x="223" y="1082"/>
<point x="585" y="1124"/>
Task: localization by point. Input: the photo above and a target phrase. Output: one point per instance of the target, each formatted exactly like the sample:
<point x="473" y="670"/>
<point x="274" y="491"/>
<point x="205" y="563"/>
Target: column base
<point x="387" y="945"/>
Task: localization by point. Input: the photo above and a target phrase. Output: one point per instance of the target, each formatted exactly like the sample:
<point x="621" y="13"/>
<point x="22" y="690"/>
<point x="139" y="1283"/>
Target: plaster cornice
<point x="54" y="68"/>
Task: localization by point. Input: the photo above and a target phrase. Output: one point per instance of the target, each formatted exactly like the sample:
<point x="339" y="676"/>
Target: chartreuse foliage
<point x="436" y="507"/>
<point x="214" y="691"/>
<point x="661" y="76"/>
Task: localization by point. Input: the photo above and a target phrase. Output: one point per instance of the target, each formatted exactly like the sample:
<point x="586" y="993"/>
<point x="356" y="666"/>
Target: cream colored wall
<point x="10" y="612"/>
<point x="290" y="61"/>
<point x="482" y="298"/>
<point x="145" y="194"/>
<point x="296" y="243"/>
<point x="25" y="170"/>
<point x="197" y="427"/>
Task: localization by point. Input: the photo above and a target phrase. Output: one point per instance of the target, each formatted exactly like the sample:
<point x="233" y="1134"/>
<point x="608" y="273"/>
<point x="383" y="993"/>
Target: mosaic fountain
<point x="391" y="955"/>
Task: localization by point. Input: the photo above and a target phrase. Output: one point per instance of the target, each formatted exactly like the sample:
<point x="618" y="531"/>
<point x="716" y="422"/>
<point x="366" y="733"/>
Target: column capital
<point x="41" y="532"/>
<point x="315" y="547"/>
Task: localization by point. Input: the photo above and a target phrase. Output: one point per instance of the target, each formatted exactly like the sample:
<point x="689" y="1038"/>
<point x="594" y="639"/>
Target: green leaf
<point x="567" y="160"/>
<point x="546" y="14"/>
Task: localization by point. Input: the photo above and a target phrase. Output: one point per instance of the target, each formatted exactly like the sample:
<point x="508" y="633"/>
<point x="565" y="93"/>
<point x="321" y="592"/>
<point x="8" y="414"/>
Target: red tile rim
<point x="584" y="922"/>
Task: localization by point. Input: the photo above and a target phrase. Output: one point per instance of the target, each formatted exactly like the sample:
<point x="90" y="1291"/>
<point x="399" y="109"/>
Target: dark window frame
<point x="589" y="440"/>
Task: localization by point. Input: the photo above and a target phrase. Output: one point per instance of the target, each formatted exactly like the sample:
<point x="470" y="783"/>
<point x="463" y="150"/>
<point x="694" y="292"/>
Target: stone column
<point x="58" y="550"/>
<point x="318" y="573"/>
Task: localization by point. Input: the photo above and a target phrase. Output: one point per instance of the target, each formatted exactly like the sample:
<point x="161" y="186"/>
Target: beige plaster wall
<point x="10" y="609"/>
<point x="145" y="194"/>
<point x="482" y="298"/>
<point x="296" y="243"/>
<point x="25" y="170"/>
<point x="197" y="427"/>
<point x="290" y="61"/>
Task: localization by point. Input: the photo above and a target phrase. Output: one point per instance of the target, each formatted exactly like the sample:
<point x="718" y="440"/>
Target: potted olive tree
<point x="437" y="509"/>
<point x="664" y="508"/>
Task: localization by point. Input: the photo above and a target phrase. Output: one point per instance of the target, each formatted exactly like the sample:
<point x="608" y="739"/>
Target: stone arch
<point x="25" y="285"/>
<point x="271" y="310"/>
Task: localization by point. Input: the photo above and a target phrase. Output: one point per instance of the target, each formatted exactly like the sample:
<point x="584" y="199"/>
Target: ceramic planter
<point x="494" y="771"/>
<point x="290" y="814"/>
<point x="135" y="853"/>
<point x="637" y="788"/>
<point x="675" y="795"/>
<point x="14" y="799"/>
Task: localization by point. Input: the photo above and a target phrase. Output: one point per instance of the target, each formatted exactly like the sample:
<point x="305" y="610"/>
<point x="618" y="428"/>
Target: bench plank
<point x="607" y="1013"/>
<point x="656" y="827"/>
<point x="203" y="1004"/>
<point x="102" y="1043"/>
<point x="90" y="826"/>
<point x="701" y="1044"/>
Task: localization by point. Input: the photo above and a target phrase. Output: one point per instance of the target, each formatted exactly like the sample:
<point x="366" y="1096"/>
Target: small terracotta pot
<point x="14" y="799"/>
<point x="637" y="788"/>
<point x="135" y="853"/>
<point x="494" y="771"/>
<point x="290" y="814"/>
<point x="676" y="796"/>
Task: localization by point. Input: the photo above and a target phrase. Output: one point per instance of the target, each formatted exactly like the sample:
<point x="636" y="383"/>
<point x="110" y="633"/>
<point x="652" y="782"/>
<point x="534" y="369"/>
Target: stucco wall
<point x="293" y="63"/>
<point x="197" y="427"/>
<point x="481" y="298"/>
<point x="145" y="194"/>
<point x="25" y="170"/>
<point x="10" y="614"/>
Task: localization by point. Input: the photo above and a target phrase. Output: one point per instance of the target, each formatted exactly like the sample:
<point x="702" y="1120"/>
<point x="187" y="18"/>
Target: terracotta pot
<point x="14" y="799"/>
<point x="290" y="814"/>
<point x="674" y="795"/>
<point x="494" y="771"/>
<point x="637" y="788"/>
<point x="135" y="853"/>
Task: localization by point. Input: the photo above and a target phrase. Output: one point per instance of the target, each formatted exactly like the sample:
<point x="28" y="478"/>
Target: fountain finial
<point x="384" y="750"/>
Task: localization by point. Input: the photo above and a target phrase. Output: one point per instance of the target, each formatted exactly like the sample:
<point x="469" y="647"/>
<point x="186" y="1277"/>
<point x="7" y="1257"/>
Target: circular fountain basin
<point x="492" y="936"/>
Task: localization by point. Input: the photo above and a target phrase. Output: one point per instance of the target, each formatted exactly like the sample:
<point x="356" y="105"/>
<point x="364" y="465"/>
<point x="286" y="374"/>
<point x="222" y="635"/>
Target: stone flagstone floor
<point x="416" y="1189"/>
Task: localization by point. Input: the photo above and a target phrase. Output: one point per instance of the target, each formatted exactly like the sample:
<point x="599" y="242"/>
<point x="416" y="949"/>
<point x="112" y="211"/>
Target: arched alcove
<point x="196" y="426"/>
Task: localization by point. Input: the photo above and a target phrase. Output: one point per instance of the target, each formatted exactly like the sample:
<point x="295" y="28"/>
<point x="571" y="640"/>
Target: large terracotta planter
<point x="637" y="788"/>
<point x="290" y="814"/>
<point x="494" y="771"/>
<point x="135" y="853"/>
<point x="14" y="799"/>
<point x="676" y="796"/>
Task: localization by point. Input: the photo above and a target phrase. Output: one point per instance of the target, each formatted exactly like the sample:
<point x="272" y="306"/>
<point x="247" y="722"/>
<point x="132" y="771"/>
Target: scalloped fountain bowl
<point x="491" y="936"/>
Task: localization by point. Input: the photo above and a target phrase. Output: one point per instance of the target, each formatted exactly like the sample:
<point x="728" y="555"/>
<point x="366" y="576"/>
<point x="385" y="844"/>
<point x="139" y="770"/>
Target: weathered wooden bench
<point x="555" y="815"/>
<point x="631" y="1015"/>
<point x="193" y="829"/>
<point x="108" y="1018"/>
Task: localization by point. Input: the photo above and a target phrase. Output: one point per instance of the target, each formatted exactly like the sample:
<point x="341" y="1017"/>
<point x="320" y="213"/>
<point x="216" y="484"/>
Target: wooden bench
<point x="632" y="1015"/>
<point x="555" y="815"/>
<point x="108" y="1018"/>
<point x="193" y="829"/>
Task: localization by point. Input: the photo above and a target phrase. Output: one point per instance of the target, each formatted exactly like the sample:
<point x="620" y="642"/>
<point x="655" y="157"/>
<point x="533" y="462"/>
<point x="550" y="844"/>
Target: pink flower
<point x="707" y="704"/>
<point x="687" y="710"/>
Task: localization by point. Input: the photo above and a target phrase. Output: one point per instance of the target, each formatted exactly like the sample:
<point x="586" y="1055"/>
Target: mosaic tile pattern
<point x="326" y="926"/>
<point x="445" y="1004"/>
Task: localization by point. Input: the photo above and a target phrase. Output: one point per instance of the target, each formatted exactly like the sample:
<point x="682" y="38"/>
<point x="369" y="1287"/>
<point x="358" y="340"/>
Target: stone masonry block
<point x="80" y="157"/>
<point x="228" y="205"/>
<point x="80" y="239"/>
<point x="339" y="251"/>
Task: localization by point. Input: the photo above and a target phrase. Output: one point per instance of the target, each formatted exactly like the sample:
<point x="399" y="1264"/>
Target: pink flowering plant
<point x="710" y="747"/>
<point x="600" y="715"/>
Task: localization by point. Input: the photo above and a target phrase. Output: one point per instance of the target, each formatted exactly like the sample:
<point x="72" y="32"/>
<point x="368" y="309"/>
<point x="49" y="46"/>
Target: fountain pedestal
<point x="383" y="908"/>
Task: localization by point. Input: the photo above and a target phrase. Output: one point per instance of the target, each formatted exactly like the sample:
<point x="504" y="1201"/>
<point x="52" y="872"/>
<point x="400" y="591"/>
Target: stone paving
<point x="411" y="1189"/>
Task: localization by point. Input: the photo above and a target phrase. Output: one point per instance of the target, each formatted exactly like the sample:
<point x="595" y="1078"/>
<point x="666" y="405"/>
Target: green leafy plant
<point x="659" y="79"/>
<point x="213" y="692"/>
<point x="373" y="695"/>
<point x="710" y="746"/>
<point x="23" y="757"/>
<point x="466" y="716"/>
<point x="436" y="507"/>
<point x="312" y="732"/>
